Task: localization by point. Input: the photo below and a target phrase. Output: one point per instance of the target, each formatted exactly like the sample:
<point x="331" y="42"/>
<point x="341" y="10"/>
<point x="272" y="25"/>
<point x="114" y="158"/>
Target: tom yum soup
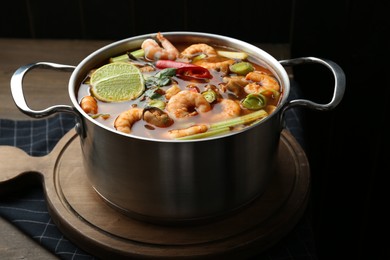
<point x="163" y="91"/>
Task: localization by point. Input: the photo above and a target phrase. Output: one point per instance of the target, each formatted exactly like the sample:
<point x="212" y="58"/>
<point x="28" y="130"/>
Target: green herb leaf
<point x="153" y="93"/>
<point x="161" y="79"/>
<point x="168" y="72"/>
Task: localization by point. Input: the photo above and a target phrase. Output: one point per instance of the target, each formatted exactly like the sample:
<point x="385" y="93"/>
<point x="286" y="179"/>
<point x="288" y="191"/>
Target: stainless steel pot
<point x="178" y="181"/>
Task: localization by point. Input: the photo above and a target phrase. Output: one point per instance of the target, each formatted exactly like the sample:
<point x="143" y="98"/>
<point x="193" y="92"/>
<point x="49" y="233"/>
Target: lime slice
<point x="116" y="82"/>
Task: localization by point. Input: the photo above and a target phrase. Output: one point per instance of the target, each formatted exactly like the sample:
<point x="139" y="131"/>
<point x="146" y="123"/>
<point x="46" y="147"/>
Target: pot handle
<point x="339" y="86"/>
<point x="20" y="101"/>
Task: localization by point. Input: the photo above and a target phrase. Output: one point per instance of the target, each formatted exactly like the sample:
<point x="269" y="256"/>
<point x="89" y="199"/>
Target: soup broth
<point x="231" y="94"/>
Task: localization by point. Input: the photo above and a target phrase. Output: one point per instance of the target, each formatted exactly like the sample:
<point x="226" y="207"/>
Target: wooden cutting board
<point x="90" y="223"/>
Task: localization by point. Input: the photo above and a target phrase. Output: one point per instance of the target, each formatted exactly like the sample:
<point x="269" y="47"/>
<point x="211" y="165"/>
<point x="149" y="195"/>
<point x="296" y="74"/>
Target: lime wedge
<point x="116" y="82"/>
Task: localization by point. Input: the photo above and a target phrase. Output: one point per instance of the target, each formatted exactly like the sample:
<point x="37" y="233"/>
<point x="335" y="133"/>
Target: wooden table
<point x="44" y="88"/>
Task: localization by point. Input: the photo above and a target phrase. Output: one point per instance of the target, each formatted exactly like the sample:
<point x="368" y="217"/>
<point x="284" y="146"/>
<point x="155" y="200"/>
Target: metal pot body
<point x="165" y="181"/>
<point x="178" y="181"/>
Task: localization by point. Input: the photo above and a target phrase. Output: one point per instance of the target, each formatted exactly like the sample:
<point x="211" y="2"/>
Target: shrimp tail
<point x="126" y="119"/>
<point x="154" y="51"/>
<point x="89" y="105"/>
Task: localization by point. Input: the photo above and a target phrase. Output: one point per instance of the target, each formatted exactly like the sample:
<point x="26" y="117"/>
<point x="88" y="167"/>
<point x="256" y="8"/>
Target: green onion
<point x="254" y="101"/>
<point x="242" y="68"/>
<point x="157" y="103"/>
<point x="199" y="57"/>
<point x="104" y="116"/>
<point x="209" y="95"/>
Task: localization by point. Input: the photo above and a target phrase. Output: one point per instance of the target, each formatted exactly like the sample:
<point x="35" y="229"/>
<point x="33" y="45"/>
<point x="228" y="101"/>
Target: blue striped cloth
<point x="27" y="210"/>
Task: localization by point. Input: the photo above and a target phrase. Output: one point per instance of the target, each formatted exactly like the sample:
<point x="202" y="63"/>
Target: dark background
<point x="347" y="147"/>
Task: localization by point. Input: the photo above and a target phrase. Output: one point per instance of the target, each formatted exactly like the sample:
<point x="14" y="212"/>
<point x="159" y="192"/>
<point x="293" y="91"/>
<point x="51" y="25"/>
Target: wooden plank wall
<point x="254" y="21"/>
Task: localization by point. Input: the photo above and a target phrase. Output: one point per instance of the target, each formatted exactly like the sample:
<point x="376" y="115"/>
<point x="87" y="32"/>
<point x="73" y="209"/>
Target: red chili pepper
<point x="185" y="70"/>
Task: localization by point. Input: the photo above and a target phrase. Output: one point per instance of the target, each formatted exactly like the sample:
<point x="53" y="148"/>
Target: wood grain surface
<point x="43" y="88"/>
<point x="89" y="222"/>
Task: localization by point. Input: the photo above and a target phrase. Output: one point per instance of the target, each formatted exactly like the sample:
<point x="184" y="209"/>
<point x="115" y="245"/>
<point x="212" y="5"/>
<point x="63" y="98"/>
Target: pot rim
<point x="132" y="42"/>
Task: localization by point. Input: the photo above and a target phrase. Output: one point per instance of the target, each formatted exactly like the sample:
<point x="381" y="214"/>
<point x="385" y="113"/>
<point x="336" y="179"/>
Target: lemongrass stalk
<point x="238" y="55"/>
<point x="246" y="119"/>
<point x="125" y="57"/>
<point x="120" y="58"/>
<point x="209" y="133"/>
<point x="225" y="126"/>
<point x="138" y="53"/>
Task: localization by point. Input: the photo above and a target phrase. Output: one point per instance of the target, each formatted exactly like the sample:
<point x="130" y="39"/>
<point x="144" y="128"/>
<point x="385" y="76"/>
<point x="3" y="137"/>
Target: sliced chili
<point x="185" y="70"/>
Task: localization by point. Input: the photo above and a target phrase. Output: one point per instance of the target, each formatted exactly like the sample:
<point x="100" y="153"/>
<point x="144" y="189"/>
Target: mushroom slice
<point x="156" y="117"/>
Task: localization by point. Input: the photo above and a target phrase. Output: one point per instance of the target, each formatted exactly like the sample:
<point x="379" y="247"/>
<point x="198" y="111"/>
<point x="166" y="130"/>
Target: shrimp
<point x="230" y="109"/>
<point x="172" y="91"/>
<point x="212" y="61"/>
<point x="253" y="88"/>
<point x="126" y="119"/>
<point x="89" y="105"/>
<point x="235" y="84"/>
<point x="147" y="69"/>
<point x="263" y="82"/>
<point x="222" y="66"/>
<point x="187" y="103"/>
<point x="195" y="129"/>
<point x="197" y="49"/>
<point x="154" y="51"/>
